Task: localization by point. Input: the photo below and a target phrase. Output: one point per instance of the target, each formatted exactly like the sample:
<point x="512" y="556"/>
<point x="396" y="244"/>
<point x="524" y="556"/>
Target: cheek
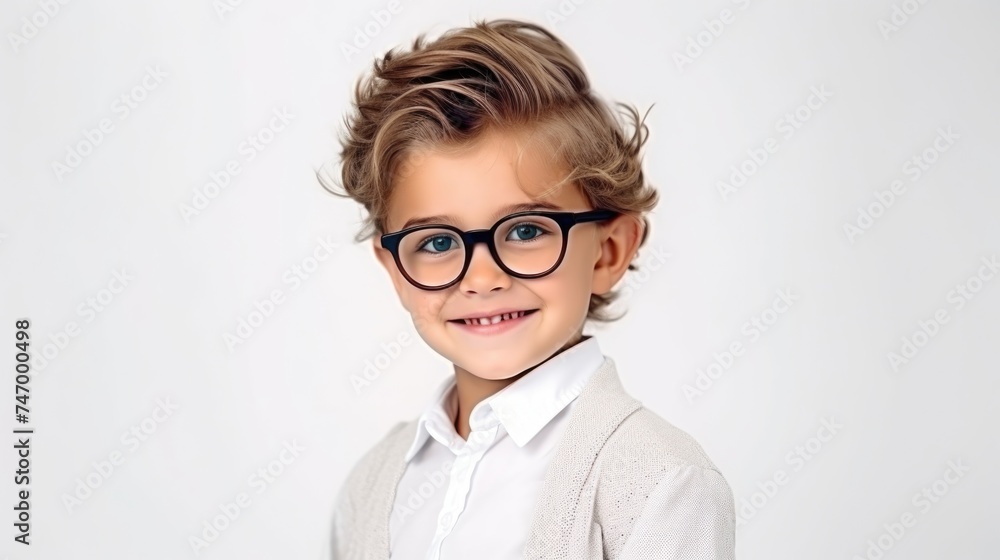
<point x="425" y="308"/>
<point x="565" y="295"/>
<point x="569" y="286"/>
<point x="576" y="272"/>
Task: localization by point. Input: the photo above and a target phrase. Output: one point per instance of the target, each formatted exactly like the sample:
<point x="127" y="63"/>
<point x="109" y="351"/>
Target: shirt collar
<point x="523" y="407"/>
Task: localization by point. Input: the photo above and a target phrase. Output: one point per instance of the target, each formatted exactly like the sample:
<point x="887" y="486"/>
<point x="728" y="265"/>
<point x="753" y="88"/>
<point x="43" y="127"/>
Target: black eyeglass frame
<point x="565" y="220"/>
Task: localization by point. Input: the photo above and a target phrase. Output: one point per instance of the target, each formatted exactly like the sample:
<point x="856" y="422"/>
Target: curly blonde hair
<point x="504" y="75"/>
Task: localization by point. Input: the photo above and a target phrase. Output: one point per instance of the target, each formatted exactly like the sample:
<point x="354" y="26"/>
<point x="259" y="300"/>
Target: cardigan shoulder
<point x="639" y="454"/>
<point x="365" y="498"/>
<point x="366" y="471"/>
<point x="650" y="441"/>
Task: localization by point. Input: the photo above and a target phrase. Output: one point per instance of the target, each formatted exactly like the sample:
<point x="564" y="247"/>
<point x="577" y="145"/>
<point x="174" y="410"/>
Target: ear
<point x="618" y="241"/>
<point x="384" y="257"/>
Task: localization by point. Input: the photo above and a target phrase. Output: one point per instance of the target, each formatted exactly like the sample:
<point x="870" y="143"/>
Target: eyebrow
<point x="501" y="212"/>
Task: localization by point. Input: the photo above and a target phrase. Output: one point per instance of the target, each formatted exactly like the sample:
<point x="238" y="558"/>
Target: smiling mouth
<point x="494" y="319"/>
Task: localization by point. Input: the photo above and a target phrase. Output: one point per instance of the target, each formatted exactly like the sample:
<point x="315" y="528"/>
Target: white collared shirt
<point x="475" y="498"/>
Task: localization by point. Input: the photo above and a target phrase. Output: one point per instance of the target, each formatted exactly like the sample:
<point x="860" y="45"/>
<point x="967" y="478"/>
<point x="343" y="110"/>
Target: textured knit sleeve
<point x="331" y="550"/>
<point x="690" y="515"/>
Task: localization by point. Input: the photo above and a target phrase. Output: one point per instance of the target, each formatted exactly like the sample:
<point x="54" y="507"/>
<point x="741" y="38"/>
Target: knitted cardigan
<point x="610" y="458"/>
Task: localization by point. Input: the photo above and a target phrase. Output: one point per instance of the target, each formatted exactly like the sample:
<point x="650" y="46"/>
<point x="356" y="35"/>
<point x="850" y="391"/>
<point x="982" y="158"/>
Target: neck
<point x="472" y="390"/>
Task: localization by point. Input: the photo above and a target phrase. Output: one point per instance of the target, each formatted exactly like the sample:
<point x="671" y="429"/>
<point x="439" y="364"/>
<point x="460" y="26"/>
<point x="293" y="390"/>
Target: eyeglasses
<point x="528" y="244"/>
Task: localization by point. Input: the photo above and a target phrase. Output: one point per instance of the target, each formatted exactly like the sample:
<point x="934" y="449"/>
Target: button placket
<point x="455" y="496"/>
<point x="468" y="454"/>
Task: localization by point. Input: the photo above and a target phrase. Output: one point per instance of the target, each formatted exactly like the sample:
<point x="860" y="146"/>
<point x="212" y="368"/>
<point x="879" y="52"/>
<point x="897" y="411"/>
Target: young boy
<point x="505" y="202"/>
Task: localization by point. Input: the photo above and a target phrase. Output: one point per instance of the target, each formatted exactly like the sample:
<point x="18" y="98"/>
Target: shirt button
<point x="446" y="520"/>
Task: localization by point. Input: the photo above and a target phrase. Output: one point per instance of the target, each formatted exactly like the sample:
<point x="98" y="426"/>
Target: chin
<point x="495" y="368"/>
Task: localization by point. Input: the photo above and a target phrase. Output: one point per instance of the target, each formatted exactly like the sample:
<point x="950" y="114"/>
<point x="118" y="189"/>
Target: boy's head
<point x="458" y="133"/>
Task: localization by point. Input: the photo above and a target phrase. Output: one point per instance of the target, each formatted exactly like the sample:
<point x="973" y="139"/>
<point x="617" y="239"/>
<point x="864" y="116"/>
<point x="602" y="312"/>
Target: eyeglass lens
<point x="525" y="244"/>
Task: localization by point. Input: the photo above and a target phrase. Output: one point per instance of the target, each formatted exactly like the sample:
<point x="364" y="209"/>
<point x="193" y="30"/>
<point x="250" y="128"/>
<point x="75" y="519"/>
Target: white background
<point x="64" y="235"/>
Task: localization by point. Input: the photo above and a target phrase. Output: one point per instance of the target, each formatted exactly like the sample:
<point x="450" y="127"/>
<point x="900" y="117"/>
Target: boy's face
<point x="469" y="188"/>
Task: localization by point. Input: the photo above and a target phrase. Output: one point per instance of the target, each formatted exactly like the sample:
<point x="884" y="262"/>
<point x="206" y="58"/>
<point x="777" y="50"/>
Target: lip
<point x="497" y="328"/>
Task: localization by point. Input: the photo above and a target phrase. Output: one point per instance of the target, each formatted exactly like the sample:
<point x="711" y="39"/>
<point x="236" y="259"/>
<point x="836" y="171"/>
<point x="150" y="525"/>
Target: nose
<point x="483" y="275"/>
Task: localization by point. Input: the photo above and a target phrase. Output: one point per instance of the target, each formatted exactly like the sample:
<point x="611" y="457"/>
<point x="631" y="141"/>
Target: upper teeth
<point x="494" y="319"/>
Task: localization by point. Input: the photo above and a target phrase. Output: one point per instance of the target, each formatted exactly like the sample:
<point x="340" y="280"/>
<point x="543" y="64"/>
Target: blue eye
<point x="525" y="232"/>
<point x="436" y="244"/>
